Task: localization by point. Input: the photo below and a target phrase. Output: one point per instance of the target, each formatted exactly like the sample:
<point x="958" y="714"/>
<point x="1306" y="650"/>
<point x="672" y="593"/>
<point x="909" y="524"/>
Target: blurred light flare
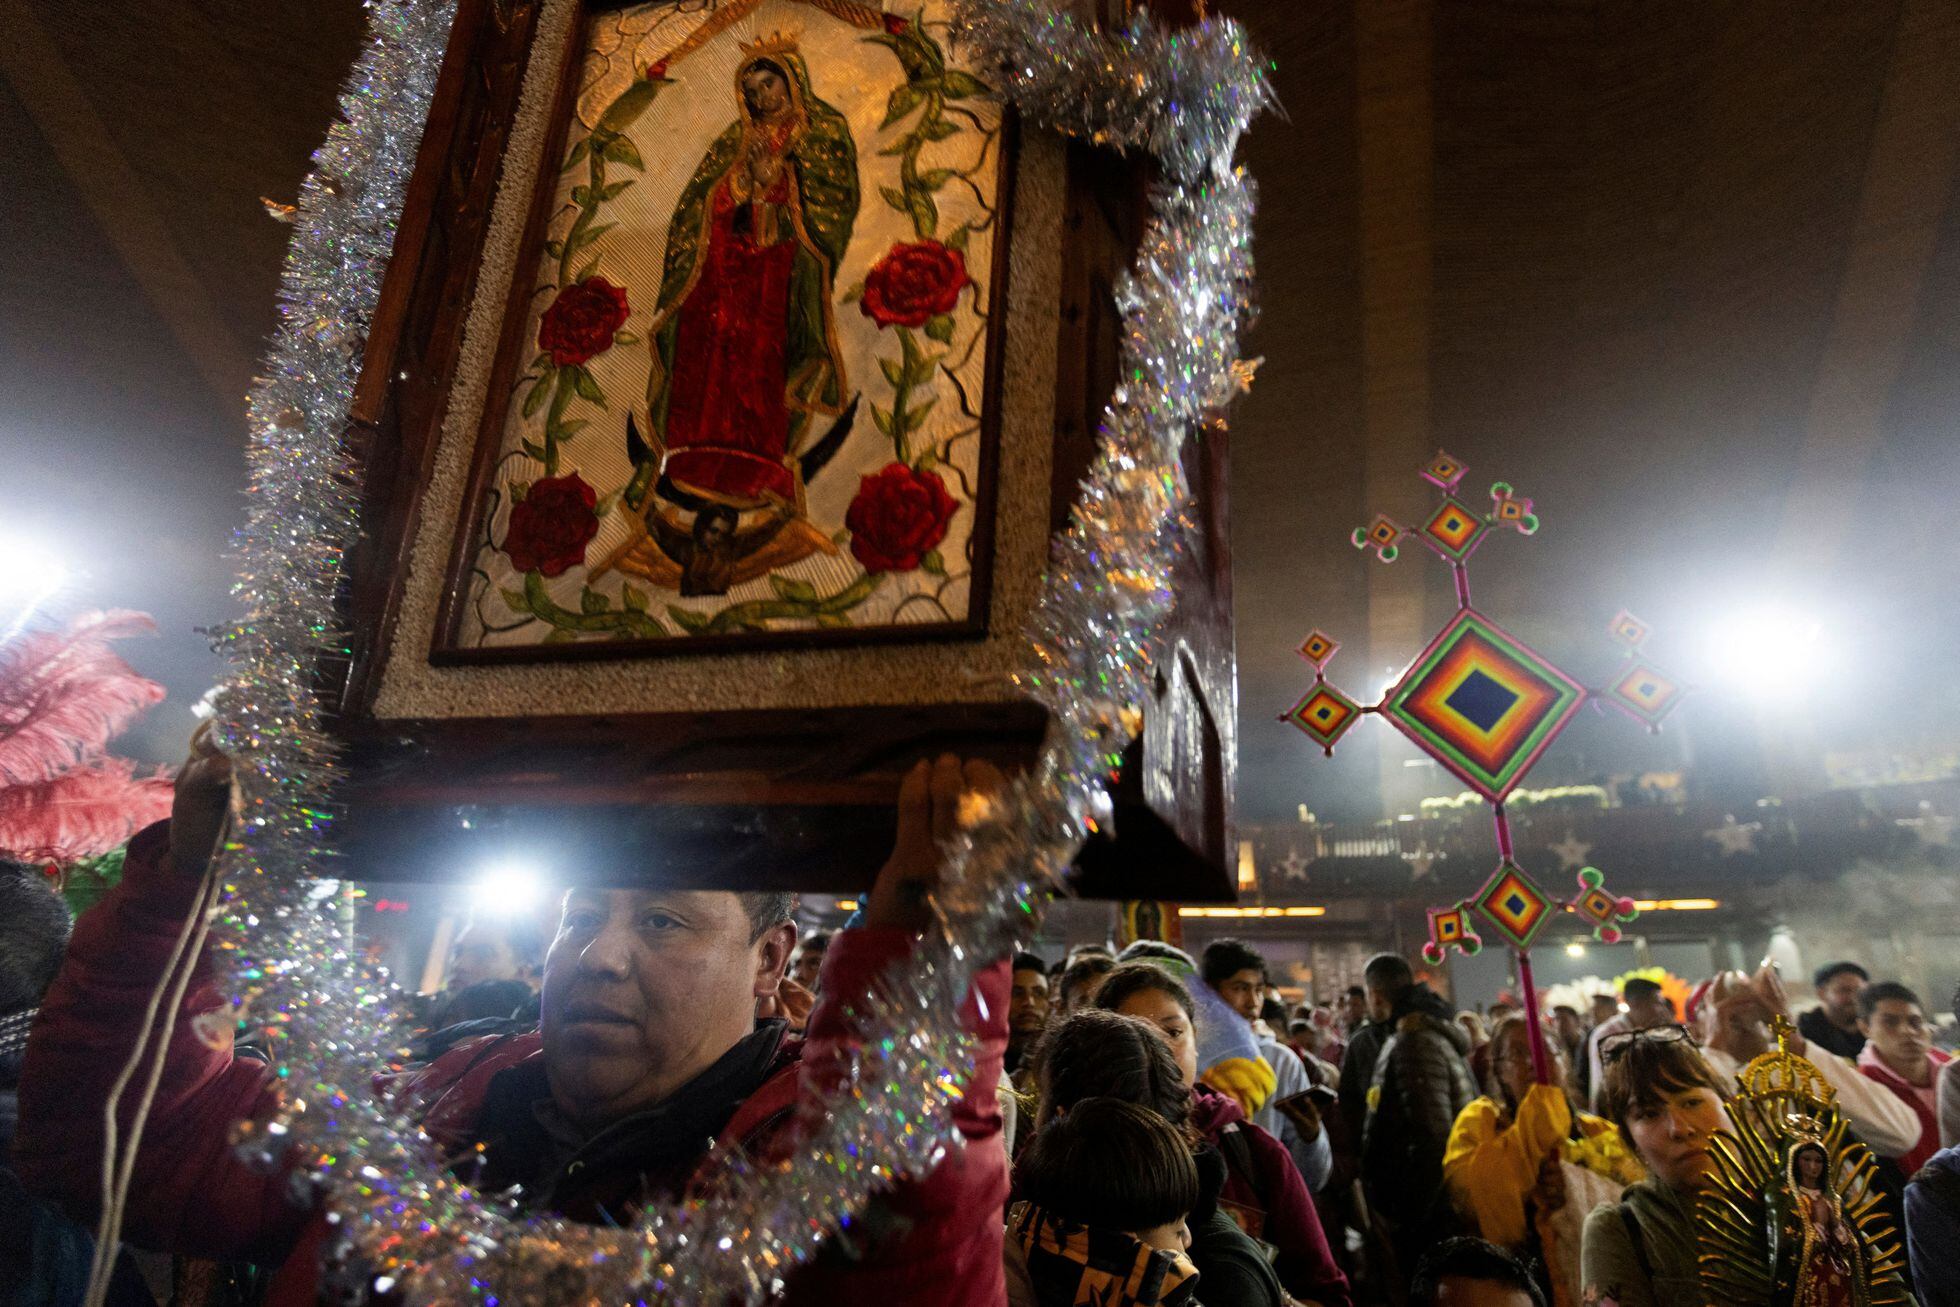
<point x="30" y="575"/>
<point x="508" y="887"/>
<point x="1767" y="649"/>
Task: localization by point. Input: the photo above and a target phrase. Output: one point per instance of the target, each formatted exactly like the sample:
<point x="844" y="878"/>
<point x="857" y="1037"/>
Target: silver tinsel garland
<point x="1184" y="96"/>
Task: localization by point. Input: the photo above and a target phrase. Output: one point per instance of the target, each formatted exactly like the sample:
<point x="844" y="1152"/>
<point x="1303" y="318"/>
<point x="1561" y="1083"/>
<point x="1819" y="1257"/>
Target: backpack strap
<point x="1639" y="1244"/>
<point x="1237" y="1150"/>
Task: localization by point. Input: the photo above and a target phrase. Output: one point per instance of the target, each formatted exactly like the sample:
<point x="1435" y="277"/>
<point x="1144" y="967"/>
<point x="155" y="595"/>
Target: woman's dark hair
<point x="1139" y="977"/>
<point x="1157" y="948"/>
<point x="1110" y="1163"/>
<point x="1470" y="1259"/>
<point x="1493" y="1079"/>
<point x="1097" y="1054"/>
<point x="1646" y="1072"/>
<point x="34" y="928"/>
<point x="1509" y="1027"/>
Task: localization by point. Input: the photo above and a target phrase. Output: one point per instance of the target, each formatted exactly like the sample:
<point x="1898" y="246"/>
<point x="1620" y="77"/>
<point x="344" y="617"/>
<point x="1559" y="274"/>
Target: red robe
<point x="727" y="418"/>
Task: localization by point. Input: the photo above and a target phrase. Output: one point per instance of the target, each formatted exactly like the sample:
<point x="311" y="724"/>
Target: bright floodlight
<point x="30" y="575"/>
<point x="507" y="887"/>
<point x="1767" y="649"/>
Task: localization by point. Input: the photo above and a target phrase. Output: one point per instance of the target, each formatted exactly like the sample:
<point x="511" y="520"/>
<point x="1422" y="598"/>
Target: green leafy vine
<point x="553" y="386"/>
<point x="595" y="615"/>
<point x="794" y="600"/>
<point x="931" y="84"/>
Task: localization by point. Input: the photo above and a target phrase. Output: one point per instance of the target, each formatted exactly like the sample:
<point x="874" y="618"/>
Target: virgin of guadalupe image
<point x="1812" y="1232"/>
<point x="1792" y="1216"/>
<point x="745" y="360"/>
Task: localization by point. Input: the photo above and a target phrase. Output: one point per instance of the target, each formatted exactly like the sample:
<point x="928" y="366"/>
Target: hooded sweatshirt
<point x="1265" y="1195"/>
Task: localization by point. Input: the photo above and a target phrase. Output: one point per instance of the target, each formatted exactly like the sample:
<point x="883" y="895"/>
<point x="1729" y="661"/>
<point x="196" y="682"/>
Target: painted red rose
<point x="914" y="283"/>
<point x="898" y="516"/>
<point x="895" y="25"/>
<point x="581" y="321"/>
<point x="551" y="526"/>
<point x="657" y="70"/>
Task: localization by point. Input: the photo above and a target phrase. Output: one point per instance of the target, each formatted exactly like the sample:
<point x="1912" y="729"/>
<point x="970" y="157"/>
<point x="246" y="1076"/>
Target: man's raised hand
<point x="928" y="816"/>
<point x="201" y="805"/>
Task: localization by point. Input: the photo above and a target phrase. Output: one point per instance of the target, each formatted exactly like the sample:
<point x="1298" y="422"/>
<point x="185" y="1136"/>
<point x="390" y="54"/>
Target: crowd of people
<point x="1142" y="1126"/>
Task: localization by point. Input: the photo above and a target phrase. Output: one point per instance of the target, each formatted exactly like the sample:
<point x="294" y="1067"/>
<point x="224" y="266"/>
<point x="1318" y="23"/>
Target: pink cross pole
<point x="1541" y="1063"/>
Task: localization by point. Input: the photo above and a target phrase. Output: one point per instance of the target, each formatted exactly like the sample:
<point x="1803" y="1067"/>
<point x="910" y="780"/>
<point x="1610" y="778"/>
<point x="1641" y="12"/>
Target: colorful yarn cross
<point x="1486" y="706"/>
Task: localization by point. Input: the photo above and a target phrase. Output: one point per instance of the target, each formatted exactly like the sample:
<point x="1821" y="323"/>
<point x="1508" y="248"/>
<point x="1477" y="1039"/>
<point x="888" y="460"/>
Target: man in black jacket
<point x="1419" y="1083"/>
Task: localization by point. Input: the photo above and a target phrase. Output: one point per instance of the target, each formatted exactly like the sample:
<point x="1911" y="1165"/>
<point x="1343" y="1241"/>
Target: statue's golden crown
<point x="776" y="43"/>
<point x="1783" y="1075"/>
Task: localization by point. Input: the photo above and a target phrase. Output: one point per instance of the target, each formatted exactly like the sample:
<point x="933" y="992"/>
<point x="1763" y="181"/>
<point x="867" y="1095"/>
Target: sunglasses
<point x="1615" y="1046"/>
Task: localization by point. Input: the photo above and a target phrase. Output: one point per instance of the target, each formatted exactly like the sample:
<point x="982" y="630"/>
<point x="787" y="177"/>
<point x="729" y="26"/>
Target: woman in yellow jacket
<point x="1505" y="1162"/>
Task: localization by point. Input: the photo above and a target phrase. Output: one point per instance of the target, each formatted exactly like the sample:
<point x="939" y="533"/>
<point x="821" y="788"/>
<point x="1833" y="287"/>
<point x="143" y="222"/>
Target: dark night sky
<point x="1637" y="232"/>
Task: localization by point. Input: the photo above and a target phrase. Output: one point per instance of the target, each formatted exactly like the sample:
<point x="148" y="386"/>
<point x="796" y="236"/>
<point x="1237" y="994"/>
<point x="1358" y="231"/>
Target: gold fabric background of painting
<point x="961" y="671"/>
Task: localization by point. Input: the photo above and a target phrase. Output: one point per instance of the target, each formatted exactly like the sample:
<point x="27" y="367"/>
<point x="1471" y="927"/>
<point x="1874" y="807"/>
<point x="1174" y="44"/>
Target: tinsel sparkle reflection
<point x="1183" y="96"/>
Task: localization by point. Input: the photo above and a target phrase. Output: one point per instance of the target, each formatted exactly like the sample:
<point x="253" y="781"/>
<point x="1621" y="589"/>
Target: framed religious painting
<point x="746" y="385"/>
<point x="734" y="365"/>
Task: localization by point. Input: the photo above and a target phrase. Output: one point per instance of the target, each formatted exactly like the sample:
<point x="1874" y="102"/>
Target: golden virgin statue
<point x="1812" y="1232"/>
<point x="744" y="339"/>
<point x="1793" y="1218"/>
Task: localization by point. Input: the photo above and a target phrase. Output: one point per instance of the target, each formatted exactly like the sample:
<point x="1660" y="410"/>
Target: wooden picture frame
<point x="780" y="788"/>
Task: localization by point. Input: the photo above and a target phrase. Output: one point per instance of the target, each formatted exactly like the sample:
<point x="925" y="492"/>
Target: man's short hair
<point x="1878" y="991"/>
<point x="1641" y="988"/>
<point x="767" y="911"/>
<point x="1388" y="972"/>
<point x="1225" y="958"/>
<point x="1564" y="1007"/>
<point x="1832" y="970"/>
<point x="1084" y="970"/>
<point x="1110" y="1164"/>
<point x="817" y="941"/>
<point x="1029" y="962"/>
<point x="1273" y="1013"/>
<point x="34" y="927"/>
<point x="1356" y="991"/>
<point x="1465" y="1258"/>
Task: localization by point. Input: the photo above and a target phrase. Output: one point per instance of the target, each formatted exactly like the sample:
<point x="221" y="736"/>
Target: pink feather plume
<point x="87" y="812"/>
<point x="64" y="695"/>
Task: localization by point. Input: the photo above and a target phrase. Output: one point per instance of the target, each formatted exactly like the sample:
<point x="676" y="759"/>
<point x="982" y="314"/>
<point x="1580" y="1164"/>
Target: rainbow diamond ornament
<point x="1508" y="508"/>
<point x="1645" y="693"/>
<point x="1453" y="530"/>
<point x="1325" y="714"/>
<point x="1606" y="910"/>
<point x="1483" y="704"/>
<point x="1317" y="648"/>
<point x="1512" y="902"/>
<point x="1450" y="928"/>
<point x="1380" y="536"/>
<point x="1628" y="629"/>
<point x="1444" y="472"/>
